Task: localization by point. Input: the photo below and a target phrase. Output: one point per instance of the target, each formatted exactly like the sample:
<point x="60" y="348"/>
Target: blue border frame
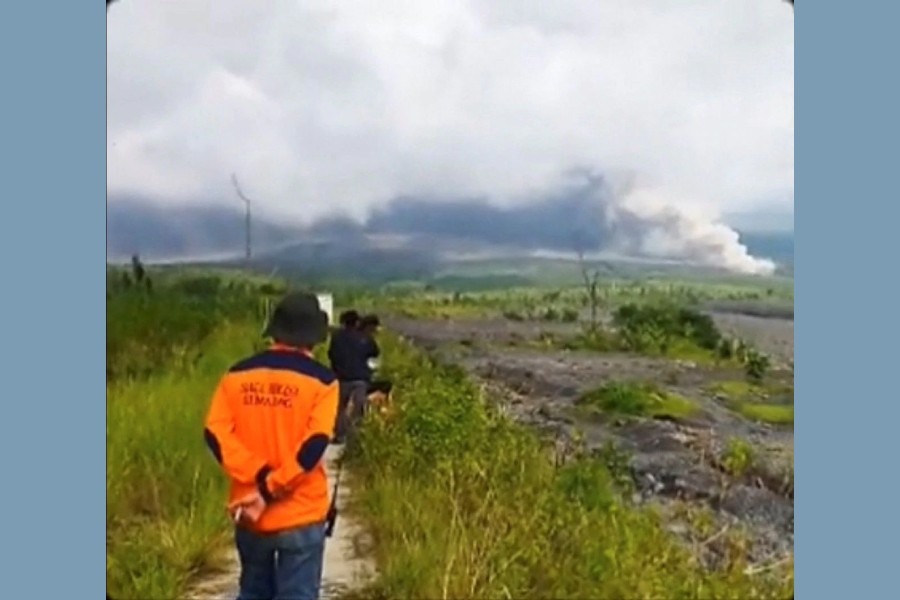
<point x="846" y="354"/>
<point x="54" y="245"/>
<point x="52" y="142"/>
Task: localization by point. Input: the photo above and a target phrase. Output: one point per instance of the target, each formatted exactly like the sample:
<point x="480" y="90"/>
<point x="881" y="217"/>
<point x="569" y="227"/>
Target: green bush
<point x="593" y="339"/>
<point x="655" y="327"/>
<point x="165" y="494"/>
<point x="166" y="350"/>
<point x="203" y="286"/>
<point x="623" y="398"/>
<point x="550" y="314"/>
<point x="738" y="457"/>
<point x="569" y="315"/>
<point x="756" y="365"/>
<point x="636" y="399"/>
<point x="462" y="503"/>
<point x="726" y="349"/>
<point x="144" y="331"/>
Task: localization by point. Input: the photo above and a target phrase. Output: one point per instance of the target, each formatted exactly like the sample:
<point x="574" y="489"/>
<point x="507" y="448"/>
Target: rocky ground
<point x="672" y="462"/>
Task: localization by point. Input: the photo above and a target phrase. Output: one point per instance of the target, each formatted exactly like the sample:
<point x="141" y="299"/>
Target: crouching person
<point x="378" y="391"/>
<point x="269" y="424"/>
<point x="379" y="395"/>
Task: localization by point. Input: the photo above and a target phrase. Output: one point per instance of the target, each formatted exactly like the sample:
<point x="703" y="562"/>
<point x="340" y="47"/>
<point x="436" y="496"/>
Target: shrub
<point x="165" y="353"/>
<point x="144" y="331"/>
<point x="637" y="399"/>
<point x="756" y="366"/>
<point x="622" y="398"/>
<point x="569" y="315"/>
<point x="698" y="327"/>
<point x="203" y="286"/>
<point x="738" y="457"/>
<point x="550" y="314"/>
<point x="462" y="503"/>
<point x="656" y="326"/>
<point x="593" y="339"/>
<point x="776" y="414"/>
<point x="726" y="349"/>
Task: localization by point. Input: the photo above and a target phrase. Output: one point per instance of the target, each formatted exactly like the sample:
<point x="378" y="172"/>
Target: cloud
<point x="586" y="214"/>
<point x="341" y="107"/>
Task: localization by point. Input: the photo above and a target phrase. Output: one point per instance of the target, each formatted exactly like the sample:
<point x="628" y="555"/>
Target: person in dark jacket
<point x="369" y="326"/>
<point x="347" y="354"/>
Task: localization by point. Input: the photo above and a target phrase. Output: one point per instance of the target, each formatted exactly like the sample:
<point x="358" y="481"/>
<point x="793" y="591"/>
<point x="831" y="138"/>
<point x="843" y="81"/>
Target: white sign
<point x="326" y="303"/>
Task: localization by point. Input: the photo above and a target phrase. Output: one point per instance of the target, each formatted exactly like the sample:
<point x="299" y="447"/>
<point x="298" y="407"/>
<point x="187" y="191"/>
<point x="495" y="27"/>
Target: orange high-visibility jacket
<point x="269" y="423"/>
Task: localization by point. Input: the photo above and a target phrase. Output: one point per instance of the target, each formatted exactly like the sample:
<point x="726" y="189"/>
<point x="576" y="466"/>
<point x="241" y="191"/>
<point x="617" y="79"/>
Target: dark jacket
<point x="349" y="353"/>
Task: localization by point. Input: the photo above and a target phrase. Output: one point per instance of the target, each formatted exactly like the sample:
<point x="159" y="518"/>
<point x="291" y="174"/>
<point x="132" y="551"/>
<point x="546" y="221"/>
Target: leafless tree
<point x="246" y="201"/>
<point x="591" y="279"/>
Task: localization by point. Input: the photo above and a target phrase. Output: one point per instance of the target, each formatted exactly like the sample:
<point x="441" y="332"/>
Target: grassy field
<point x="166" y="350"/>
<point x="460" y="501"/>
<point x="765" y="403"/>
<point x="631" y="399"/>
<point x="464" y="504"/>
<point x="553" y="303"/>
<point x="165" y="511"/>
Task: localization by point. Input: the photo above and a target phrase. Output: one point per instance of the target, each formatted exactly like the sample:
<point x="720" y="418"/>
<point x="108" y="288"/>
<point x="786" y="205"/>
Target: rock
<point x="760" y="506"/>
<point x="674" y="474"/>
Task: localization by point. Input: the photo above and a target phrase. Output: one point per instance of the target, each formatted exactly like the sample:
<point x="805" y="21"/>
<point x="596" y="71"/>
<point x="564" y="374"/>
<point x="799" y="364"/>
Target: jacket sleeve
<point x="332" y="351"/>
<point x="371" y="348"/>
<point x="313" y="443"/>
<point x="238" y="462"/>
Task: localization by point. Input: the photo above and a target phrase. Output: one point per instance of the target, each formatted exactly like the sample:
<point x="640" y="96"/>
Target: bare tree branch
<point x="584" y="270"/>
<point x="246" y="200"/>
<point x="591" y="285"/>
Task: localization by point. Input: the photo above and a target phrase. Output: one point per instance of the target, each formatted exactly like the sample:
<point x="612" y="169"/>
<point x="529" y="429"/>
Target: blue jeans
<point x="286" y="565"/>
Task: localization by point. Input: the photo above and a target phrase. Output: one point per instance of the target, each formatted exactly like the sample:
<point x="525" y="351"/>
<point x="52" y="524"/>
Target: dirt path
<point x="344" y="568"/>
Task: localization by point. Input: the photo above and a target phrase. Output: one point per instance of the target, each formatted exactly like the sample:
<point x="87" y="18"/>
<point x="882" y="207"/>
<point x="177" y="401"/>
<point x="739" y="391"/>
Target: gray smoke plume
<point x="585" y="213"/>
<point x="647" y="222"/>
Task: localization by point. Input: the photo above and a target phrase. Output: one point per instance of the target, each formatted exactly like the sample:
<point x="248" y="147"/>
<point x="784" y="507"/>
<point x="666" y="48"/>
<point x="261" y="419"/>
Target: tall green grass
<point x="146" y="332"/>
<point x="462" y="503"/>
<point x="166" y="350"/>
<point x="165" y="494"/>
<point x="637" y="399"/>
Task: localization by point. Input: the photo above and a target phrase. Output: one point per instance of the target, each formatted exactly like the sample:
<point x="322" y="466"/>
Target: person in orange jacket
<point x="269" y="423"/>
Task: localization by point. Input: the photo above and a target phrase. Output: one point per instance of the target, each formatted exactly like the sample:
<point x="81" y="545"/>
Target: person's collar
<point x="278" y="347"/>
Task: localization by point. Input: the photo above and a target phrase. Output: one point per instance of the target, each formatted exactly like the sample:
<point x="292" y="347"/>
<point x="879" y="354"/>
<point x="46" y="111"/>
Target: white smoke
<point x="325" y="107"/>
<point x="652" y="223"/>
